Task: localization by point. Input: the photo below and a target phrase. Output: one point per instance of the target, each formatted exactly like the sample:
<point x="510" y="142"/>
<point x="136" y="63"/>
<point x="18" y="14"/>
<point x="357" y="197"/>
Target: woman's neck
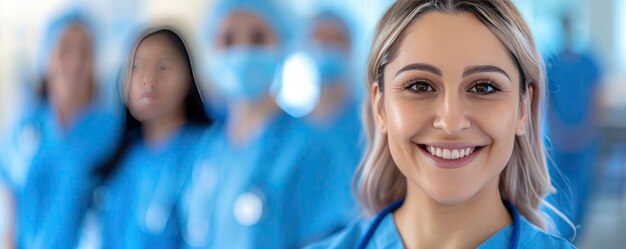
<point x="424" y="223"/>
<point x="155" y="131"/>
<point x="245" y="119"/>
<point x="68" y="110"/>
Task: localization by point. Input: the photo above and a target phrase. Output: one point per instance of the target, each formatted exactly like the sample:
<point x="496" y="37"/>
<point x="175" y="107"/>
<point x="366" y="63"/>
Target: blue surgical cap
<point x="275" y="16"/>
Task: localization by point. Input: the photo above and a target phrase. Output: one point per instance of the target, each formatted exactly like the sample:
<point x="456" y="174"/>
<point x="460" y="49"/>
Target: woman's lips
<point x="452" y="156"/>
<point x="148" y="96"/>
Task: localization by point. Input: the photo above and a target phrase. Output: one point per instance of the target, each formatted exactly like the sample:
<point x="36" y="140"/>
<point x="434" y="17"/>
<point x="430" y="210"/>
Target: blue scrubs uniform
<point x="345" y="135"/>
<point x="573" y="80"/>
<point x="387" y="236"/>
<point x="140" y="200"/>
<point x="273" y="192"/>
<point x="59" y="181"/>
<point x="19" y="147"/>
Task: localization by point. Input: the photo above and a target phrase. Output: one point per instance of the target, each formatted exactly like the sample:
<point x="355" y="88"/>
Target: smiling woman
<point x="456" y="157"/>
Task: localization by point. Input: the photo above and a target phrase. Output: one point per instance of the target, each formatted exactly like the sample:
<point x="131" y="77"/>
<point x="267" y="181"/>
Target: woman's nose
<point x="148" y="77"/>
<point x="451" y="114"/>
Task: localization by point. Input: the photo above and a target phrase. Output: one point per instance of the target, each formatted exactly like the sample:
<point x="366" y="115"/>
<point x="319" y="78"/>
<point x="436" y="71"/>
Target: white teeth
<point x="446" y="154"/>
<point x="450" y="154"/>
<point x="455" y="154"/>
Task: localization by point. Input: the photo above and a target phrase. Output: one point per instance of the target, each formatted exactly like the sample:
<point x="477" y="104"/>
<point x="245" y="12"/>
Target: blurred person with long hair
<point x="164" y="117"/>
<point x="55" y="146"/>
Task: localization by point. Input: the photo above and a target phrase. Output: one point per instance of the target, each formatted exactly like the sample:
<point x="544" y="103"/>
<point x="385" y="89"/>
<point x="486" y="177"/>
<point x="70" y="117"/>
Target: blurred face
<point x="330" y="32"/>
<point x="244" y="28"/>
<point x="160" y="80"/>
<point x="70" y="74"/>
<point x="451" y="106"/>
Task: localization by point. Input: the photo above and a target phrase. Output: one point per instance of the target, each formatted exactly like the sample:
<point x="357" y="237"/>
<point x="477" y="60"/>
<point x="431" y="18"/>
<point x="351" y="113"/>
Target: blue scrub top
<point x="387" y="236"/>
<point x="59" y="179"/>
<point x="573" y="79"/>
<point x="274" y="192"/>
<point x="139" y="209"/>
<point x="345" y="134"/>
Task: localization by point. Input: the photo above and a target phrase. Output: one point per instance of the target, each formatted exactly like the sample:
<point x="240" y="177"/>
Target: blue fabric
<point x="59" y="181"/>
<point x="139" y="210"/>
<point x="387" y="237"/>
<point x="343" y="132"/>
<point x="19" y="146"/>
<point x="573" y="81"/>
<point x="332" y="64"/>
<point x="573" y="181"/>
<point x="244" y="72"/>
<point x="298" y="194"/>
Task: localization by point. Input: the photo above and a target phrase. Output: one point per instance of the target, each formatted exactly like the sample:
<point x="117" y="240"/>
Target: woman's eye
<point x="419" y="87"/>
<point x="229" y="39"/>
<point x="163" y="68"/>
<point x="484" y="88"/>
<point x="257" y="37"/>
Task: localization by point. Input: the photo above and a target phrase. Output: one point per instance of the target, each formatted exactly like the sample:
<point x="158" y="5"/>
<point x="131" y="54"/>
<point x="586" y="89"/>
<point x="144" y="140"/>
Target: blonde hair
<point x="525" y="180"/>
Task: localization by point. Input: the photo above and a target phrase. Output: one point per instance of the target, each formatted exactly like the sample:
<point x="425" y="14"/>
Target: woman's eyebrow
<point x="421" y="67"/>
<point x="484" y="69"/>
<point x="468" y="70"/>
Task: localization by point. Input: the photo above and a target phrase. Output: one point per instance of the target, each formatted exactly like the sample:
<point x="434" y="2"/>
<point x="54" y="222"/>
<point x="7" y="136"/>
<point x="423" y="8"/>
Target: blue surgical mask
<point x="244" y="73"/>
<point x="332" y="64"/>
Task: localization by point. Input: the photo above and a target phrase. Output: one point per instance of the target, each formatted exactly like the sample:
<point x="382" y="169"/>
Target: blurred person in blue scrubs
<point x="264" y="179"/>
<point x="165" y="116"/>
<point x="574" y="79"/>
<point x="337" y="114"/>
<point x="51" y="152"/>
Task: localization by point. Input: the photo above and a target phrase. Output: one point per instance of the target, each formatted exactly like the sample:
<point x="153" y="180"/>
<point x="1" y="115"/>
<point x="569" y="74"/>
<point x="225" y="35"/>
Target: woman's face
<point x="70" y="74"/>
<point x="160" y="80"/>
<point x="451" y="106"/>
<point x="245" y="28"/>
<point x="331" y="32"/>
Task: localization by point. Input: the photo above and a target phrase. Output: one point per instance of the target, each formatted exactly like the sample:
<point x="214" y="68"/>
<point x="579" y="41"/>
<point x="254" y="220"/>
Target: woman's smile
<point x="450" y="156"/>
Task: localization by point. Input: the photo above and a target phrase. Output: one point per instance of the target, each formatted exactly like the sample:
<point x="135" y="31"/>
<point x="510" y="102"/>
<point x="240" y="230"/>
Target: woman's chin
<point x="451" y="196"/>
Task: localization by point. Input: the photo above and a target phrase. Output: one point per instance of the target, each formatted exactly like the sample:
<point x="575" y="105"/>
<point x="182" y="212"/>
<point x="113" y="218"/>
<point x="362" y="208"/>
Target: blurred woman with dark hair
<point x="164" y="116"/>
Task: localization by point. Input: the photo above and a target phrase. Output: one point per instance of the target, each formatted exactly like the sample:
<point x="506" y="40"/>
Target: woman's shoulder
<point x="349" y="237"/>
<point x="534" y="237"/>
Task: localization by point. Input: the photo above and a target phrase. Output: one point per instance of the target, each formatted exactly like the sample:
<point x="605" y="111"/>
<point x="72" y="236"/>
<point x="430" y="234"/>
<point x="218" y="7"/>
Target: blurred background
<point x="565" y="31"/>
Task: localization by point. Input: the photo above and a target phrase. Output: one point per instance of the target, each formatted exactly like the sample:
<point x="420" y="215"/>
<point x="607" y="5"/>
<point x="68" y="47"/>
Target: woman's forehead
<point x="158" y="45"/>
<point x="245" y="19"/>
<point x="452" y="42"/>
<point x="75" y="33"/>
